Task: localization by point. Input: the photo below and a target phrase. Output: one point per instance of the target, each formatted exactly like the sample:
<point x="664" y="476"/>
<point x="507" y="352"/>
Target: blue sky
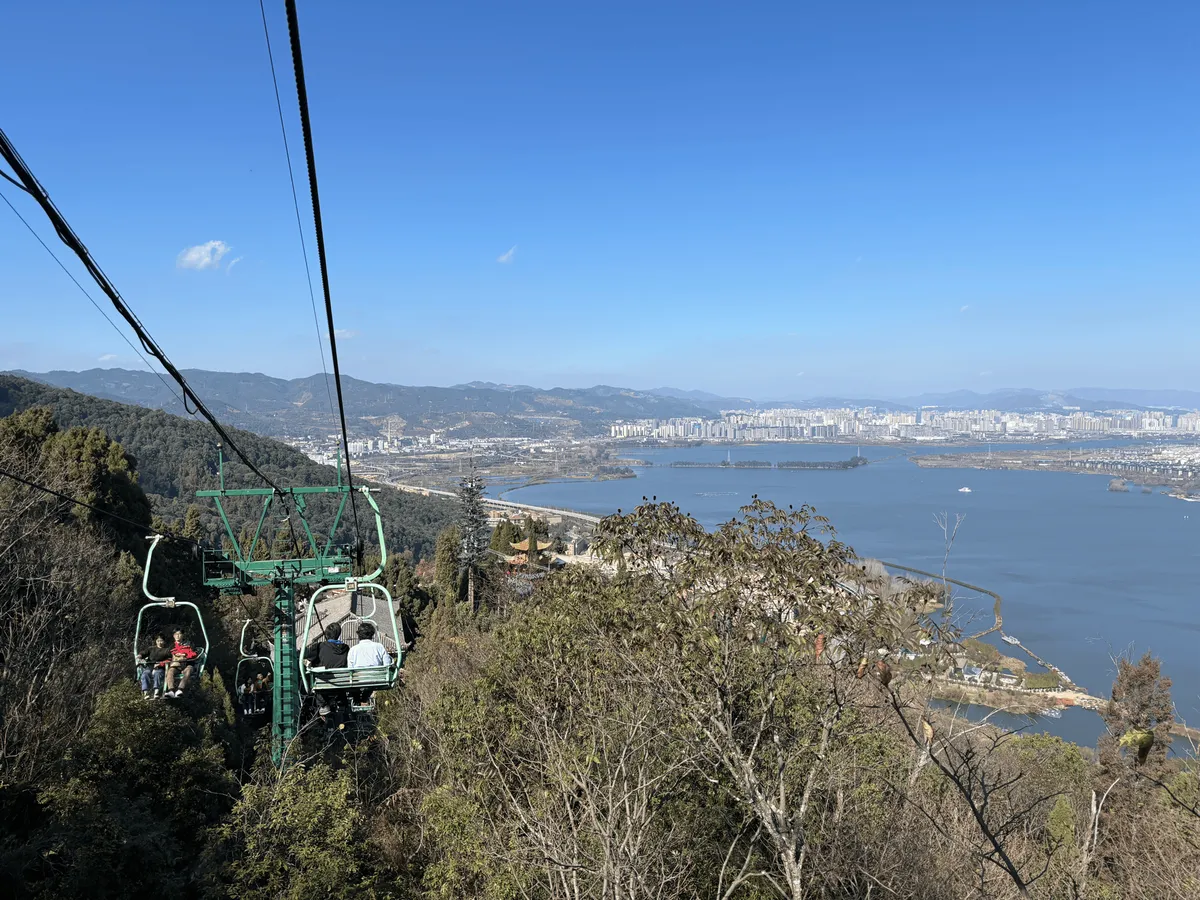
<point x="775" y="200"/>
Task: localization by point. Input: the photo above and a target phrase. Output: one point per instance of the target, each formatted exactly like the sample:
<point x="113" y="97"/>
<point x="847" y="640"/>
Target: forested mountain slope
<point x="175" y="457"/>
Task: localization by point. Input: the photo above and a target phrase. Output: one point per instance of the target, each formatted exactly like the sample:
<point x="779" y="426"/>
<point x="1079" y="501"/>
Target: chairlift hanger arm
<point x="166" y="601"/>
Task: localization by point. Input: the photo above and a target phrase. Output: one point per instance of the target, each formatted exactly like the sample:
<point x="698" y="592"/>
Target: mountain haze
<point x="278" y="406"/>
<point x="301" y="406"/>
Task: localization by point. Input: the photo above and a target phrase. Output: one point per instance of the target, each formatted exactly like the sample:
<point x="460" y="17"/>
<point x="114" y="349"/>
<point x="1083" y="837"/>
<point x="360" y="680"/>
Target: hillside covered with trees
<point x="175" y="457"/>
<point x="709" y="714"/>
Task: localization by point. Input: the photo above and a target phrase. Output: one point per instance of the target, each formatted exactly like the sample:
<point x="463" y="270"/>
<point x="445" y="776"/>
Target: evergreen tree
<point x="284" y="545"/>
<point x="445" y="561"/>
<point x="472" y="524"/>
<point x="533" y="556"/>
<point x="400" y="579"/>
<point x="504" y="536"/>
<point x="193" y="526"/>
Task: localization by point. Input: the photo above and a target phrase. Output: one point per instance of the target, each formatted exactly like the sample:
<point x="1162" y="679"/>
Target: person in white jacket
<point x="368" y="652"/>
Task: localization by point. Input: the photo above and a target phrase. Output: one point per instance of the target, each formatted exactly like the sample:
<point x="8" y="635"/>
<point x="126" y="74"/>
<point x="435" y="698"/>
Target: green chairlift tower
<point x="328" y="564"/>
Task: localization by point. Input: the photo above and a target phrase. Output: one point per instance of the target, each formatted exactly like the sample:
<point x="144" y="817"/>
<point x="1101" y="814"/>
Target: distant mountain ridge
<point x="301" y="406"/>
<point x="280" y="406"/>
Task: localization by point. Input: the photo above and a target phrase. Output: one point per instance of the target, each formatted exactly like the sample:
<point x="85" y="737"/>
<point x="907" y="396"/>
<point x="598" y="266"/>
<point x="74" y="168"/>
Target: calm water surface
<point x="1085" y="573"/>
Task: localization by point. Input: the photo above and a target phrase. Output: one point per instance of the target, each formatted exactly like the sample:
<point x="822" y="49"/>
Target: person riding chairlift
<point x="183" y="663"/>
<point x="330" y="653"/>
<point x="368" y="652"/>
<point x="154" y="667"/>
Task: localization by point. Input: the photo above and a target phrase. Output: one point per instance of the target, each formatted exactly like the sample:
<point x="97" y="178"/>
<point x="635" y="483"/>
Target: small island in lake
<point x="852" y="463"/>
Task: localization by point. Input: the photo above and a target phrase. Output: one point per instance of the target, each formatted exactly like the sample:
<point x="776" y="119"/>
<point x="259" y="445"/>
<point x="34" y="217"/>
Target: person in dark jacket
<point x="330" y="653"/>
<point x="154" y="667"/>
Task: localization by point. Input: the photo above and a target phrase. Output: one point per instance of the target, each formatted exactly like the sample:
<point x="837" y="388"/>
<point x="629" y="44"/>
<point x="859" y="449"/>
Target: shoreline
<point x="964" y="461"/>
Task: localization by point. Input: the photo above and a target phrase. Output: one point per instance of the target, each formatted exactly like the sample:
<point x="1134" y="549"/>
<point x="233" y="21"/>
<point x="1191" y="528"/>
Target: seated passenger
<point x="367" y="652"/>
<point x="154" y="667"/>
<point x="183" y="663"/>
<point x="330" y="653"/>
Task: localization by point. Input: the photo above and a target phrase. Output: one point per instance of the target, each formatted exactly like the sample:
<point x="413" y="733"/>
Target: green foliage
<point x="401" y="581"/>
<point x="472" y="522"/>
<point x="1041" y="680"/>
<point x="504" y="536"/>
<point x="981" y="652"/>
<point x="294" y="836"/>
<point x="193" y="525"/>
<point x="127" y="815"/>
<point x="93" y="468"/>
<point x="446" y="564"/>
<point x="177" y="456"/>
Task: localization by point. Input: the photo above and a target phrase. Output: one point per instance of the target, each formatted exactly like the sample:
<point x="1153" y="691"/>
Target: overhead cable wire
<point x="91" y="299"/>
<point x="306" y="127"/>
<point x="68" y="236"/>
<point x="9" y="178"/>
<point x="71" y="239"/>
<point x="141" y="526"/>
<point x="104" y="512"/>
<point x="312" y="299"/>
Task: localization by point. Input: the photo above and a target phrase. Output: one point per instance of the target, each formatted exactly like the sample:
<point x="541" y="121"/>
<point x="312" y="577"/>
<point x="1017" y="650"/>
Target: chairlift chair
<point x="252" y="703"/>
<point x="359" y="684"/>
<point x="164" y="603"/>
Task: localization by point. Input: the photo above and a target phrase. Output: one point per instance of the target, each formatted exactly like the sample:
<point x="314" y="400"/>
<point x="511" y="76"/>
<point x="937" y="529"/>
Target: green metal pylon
<point x="322" y="562"/>
<point x="285" y="717"/>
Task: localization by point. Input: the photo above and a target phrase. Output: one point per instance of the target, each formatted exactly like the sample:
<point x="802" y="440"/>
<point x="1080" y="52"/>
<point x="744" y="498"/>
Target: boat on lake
<point x="1009" y="639"/>
<point x="964" y="490"/>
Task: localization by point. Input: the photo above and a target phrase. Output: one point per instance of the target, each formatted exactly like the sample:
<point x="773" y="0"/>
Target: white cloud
<point x="107" y="357"/>
<point x="964" y="307"/>
<point x="345" y="333"/>
<point x="203" y="256"/>
<point x="233" y="262"/>
<point x="507" y="256"/>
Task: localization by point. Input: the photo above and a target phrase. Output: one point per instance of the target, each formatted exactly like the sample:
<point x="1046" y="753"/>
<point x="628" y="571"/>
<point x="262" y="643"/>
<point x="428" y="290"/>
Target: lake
<point x="1085" y="573"/>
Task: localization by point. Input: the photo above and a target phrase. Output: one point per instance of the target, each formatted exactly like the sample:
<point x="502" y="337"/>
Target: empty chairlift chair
<point x="371" y="603"/>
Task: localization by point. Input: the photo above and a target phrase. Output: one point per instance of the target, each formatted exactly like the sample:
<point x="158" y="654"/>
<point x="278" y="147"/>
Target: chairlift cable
<point x="68" y="236"/>
<point x="91" y="299"/>
<point x="14" y="181"/>
<point x="296" y="203"/>
<point x="104" y="512"/>
<point x="71" y="239"/>
<point x="310" y="158"/>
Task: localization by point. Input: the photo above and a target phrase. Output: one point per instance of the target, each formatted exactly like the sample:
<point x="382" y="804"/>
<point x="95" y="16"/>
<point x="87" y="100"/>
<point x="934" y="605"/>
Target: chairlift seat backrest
<point x="350" y="634"/>
<point x="366" y="678"/>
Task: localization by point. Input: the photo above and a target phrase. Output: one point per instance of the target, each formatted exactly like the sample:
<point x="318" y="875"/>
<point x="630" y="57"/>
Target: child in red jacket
<point x="183" y="663"/>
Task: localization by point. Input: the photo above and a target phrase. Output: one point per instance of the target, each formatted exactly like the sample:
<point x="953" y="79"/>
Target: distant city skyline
<point x="770" y="201"/>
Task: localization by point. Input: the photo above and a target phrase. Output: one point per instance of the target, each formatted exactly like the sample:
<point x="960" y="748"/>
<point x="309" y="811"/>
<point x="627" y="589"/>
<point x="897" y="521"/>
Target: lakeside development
<point x="1173" y="466"/>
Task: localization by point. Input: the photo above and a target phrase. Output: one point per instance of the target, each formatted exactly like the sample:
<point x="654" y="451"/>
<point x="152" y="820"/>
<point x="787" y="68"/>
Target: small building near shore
<point x="973" y="673"/>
